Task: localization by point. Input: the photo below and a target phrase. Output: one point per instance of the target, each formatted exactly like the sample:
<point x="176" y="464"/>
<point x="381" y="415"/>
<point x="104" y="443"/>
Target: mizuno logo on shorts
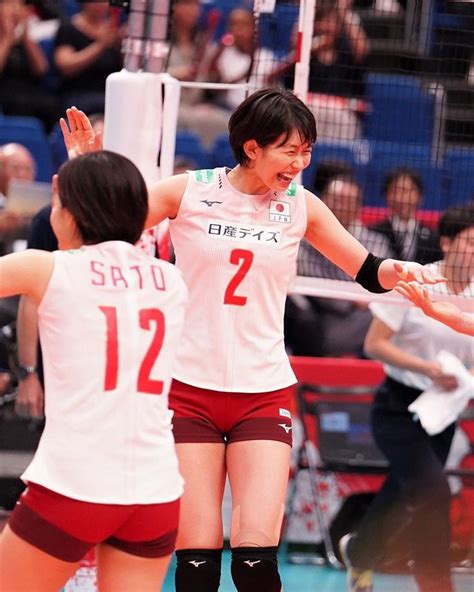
<point x="285" y="427"/>
<point x="197" y="563"/>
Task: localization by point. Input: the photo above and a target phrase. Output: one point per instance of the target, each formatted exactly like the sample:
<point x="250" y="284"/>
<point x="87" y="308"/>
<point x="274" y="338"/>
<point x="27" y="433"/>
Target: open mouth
<point x="284" y="178"/>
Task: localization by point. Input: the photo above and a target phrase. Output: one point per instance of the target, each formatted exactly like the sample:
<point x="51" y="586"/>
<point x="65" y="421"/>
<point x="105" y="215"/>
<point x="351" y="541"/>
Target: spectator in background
<point x="324" y="326"/>
<point x="236" y="58"/>
<point x="187" y="61"/>
<point x="416" y="494"/>
<point x="22" y="63"/>
<point x="336" y="77"/>
<point x="87" y="50"/>
<point x="327" y="170"/>
<point x="408" y="238"/>
<point x="16" y="163"/>
<point x="338" y="51"/>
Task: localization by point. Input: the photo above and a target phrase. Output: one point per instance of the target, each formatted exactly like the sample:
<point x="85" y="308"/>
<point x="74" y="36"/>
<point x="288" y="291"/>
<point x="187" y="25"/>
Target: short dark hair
<point x="267" y="114"/>
<point x="455" y="220"/>
<point x="344" y="177"/>
<point x="326" y="170"/>
<point x="395" y="174"/>
<point x="106" y="195"/>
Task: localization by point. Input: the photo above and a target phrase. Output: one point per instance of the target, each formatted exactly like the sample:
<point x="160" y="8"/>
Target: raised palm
<point x="78" y="133"/>
<point x="420" y="297"/>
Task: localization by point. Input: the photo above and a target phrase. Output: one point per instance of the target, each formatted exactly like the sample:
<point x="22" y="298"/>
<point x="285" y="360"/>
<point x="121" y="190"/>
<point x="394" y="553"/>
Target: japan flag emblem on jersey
<point x="279" y="211"/>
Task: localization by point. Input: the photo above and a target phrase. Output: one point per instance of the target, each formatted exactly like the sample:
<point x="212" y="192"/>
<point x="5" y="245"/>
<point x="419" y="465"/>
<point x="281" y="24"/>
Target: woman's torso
<point x="237" y="254"/>
<point x="92" y="78"/>
<point x="109" y="323"/>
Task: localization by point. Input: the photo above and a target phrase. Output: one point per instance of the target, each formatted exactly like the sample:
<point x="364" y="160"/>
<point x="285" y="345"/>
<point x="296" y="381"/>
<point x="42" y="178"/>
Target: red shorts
<point x="67" y="528"/>
<point x="202" y="415"/>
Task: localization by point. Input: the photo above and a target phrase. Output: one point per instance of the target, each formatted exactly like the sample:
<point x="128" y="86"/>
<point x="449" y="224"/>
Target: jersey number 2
<point x="146" y="317"/>
<point x="244" y="259"/>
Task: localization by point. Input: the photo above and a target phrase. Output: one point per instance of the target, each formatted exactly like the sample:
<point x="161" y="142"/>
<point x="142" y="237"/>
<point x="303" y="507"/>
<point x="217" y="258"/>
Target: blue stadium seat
<point x="221" y="153"/>
<point x="400" y="110"/>
<point x="29" y="132"/>
<point x="224" y="7"/>
<point x="386" y="156"/>
<point x="57" y="147"/>
<point x="188" y="145"/>
<point x="275" y="30"/>
<point x="69" y="7"/>
<point x="351" y="153"/>
<point x="459" y="174"/>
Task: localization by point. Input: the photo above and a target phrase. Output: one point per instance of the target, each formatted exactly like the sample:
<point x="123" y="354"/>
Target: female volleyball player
<point x="236" y="235"/>
<point x="105" y="472"/>
<point x="416" y="496"/>
<point x="444" y="312"/>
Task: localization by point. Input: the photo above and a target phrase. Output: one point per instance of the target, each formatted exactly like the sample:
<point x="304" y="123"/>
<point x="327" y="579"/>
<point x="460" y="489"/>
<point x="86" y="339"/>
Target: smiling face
<point x="277" y="164"/>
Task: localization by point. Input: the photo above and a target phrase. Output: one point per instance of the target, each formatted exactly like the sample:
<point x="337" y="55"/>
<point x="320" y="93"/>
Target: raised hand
<point x="419" y="297"/>
<point x="414" y="272"/>
<point x="78" y="133"/>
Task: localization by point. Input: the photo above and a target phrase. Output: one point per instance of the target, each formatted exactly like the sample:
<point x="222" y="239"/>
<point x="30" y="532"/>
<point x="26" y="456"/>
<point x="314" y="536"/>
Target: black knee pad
<point x="198" y="570"/>
<point x="255" y="569"/>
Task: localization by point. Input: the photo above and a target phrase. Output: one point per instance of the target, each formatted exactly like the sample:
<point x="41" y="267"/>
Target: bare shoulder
<point x="27" y="272"/>
<point x="314" y="206"/>
<point x="165" y="197"/>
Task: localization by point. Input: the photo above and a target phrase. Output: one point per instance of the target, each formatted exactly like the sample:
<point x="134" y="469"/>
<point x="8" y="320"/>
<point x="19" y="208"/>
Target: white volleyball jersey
<point x="109" y="323"/>
<point x="237" y="253"/>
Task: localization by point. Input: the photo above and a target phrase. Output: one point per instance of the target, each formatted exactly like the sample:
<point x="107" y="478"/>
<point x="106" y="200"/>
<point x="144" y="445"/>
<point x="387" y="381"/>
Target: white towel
<point x="437" y="409"/>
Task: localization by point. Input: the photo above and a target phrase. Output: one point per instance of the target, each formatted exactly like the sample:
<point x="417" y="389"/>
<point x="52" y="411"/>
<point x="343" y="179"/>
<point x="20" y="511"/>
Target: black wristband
<point x="368" y="274"/>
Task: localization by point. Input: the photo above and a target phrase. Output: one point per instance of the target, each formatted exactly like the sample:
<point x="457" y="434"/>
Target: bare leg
<point x="118" y="571"/>
<point x="24" y="567"/>
<point x="203" y="468"/>
<point x="258" y="472"/>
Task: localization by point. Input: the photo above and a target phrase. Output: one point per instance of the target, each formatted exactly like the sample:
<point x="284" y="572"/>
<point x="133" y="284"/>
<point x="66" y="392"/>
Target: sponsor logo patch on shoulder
<point x="279" y="211"/>
<point x="285" y="413"/>
<point x="204" y="175"/>
<point x="291" y="191"/>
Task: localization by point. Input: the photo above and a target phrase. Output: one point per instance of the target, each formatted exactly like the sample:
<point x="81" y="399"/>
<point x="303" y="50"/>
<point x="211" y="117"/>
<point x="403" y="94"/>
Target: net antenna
<point x="304" y="38"/>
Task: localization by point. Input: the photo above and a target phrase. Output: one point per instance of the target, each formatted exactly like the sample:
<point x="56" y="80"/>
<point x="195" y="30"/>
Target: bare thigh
<point x="118" y="571"/>
<point x="24" y="567"/>
<point x="202" y="466"/>
<point x="258" y="473"/>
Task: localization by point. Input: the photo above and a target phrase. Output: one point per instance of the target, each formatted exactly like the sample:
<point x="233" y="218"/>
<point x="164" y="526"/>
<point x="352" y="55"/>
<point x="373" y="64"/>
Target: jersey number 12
<point x="146" y="318"/>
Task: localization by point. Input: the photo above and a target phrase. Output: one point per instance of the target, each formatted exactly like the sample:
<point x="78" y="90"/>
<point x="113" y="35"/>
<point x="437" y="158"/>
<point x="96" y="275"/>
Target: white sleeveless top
<point x="109" y="323"/>
<point x="237" y="254"/>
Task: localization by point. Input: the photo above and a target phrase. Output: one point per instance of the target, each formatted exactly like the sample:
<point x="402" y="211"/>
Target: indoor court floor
<point x="312" y="578"/>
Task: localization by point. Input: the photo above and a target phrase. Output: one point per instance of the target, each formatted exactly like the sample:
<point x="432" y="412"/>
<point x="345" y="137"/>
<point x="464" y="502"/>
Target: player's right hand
<point x="29" y="400"/>
<point x="78" y="133"/>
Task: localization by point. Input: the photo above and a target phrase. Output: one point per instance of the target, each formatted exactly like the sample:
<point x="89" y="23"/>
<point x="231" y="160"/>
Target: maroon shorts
<point x="202" y="415"/>
<point x="67" y="528"/>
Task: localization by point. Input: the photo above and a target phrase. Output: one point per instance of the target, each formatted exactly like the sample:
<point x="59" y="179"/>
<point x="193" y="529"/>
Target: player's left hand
<point x="78" y="133"/>
<point x="414" y="272"/>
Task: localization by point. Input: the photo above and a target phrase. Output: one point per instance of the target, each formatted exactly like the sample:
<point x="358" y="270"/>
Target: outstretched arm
<point x="164" y="197"/>
<point x="27" y="272"/>
<point x="327" y="235"/>
<point x="444" y="312"/>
